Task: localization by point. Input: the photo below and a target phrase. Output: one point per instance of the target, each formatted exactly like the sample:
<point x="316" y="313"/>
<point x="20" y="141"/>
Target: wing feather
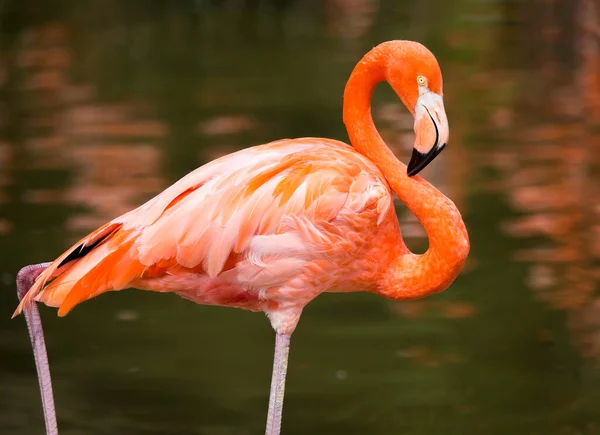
<point x="271" y="201"/>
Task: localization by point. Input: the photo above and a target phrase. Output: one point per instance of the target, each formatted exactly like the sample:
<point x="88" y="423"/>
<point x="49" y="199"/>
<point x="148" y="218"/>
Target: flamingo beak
<point x="431" y="131"/>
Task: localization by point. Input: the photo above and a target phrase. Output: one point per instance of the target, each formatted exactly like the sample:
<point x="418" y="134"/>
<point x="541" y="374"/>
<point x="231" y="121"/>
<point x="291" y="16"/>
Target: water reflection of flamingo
<point x="271" y="227"/>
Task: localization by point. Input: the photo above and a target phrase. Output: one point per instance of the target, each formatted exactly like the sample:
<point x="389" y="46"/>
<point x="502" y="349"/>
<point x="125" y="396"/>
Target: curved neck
<point x="411" y="276"/>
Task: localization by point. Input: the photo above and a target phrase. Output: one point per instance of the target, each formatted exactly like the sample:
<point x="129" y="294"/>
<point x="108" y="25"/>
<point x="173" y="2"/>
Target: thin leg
<point x="280" y="363"/>
<point x="25" y="279"/>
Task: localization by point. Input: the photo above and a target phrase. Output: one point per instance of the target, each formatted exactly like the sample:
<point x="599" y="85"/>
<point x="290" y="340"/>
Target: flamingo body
<point x="266" y="228"/>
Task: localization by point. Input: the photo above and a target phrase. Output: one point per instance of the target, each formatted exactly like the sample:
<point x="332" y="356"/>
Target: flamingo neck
<point x="409" y="276"/>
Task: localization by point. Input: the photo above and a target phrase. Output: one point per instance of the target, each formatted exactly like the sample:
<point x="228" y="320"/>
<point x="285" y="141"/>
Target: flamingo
<point x="269" y="228"/>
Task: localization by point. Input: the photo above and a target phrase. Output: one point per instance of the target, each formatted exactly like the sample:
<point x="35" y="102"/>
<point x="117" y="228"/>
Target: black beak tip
<point x="414" y="166"/>
<point x="418" y="160"/>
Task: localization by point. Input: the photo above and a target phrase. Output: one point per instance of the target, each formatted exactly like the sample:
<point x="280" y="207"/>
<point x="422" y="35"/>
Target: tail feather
<point x="109" y="268"/>
<point x="60" y="274"/>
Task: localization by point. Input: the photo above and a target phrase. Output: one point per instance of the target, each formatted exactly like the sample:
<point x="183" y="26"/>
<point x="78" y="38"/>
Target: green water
<point x="102" y="105"/>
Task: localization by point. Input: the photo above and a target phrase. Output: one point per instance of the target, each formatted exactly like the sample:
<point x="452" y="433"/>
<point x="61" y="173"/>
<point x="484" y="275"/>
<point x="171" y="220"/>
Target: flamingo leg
<point x="25" y="279"/>
<point x="280" y="363"/>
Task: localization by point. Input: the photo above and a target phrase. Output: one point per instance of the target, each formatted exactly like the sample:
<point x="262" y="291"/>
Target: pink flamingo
<point x="271" y="227"/>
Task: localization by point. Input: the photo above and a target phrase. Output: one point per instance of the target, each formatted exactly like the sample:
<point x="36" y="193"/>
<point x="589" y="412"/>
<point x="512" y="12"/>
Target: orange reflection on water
<point x="350" y="19"/>
<point x="427" y="357"/>
<point x="111" y="149"/>
<point x="442" y="309"/>
<point x="549" y="172"/>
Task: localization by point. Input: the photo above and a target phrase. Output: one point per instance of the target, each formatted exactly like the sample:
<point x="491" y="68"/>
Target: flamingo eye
<point x="421" y="80"/>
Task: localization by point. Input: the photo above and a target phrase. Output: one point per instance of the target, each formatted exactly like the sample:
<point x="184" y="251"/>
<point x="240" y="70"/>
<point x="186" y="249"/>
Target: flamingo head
<point x="414" y="74"/>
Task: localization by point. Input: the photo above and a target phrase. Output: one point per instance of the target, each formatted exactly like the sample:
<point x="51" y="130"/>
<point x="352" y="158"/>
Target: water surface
<point x="103" y="105"/>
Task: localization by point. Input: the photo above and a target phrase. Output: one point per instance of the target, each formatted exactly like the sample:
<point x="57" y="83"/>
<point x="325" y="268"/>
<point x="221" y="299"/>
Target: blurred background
<point x="105" y="103"/>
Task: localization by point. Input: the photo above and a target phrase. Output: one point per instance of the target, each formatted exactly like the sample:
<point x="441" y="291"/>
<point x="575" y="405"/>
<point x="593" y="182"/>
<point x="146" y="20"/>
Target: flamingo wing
<point x="267" y="201"/>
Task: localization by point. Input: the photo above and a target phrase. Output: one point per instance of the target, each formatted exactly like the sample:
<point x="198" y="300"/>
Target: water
<point x="104" y="105"/>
